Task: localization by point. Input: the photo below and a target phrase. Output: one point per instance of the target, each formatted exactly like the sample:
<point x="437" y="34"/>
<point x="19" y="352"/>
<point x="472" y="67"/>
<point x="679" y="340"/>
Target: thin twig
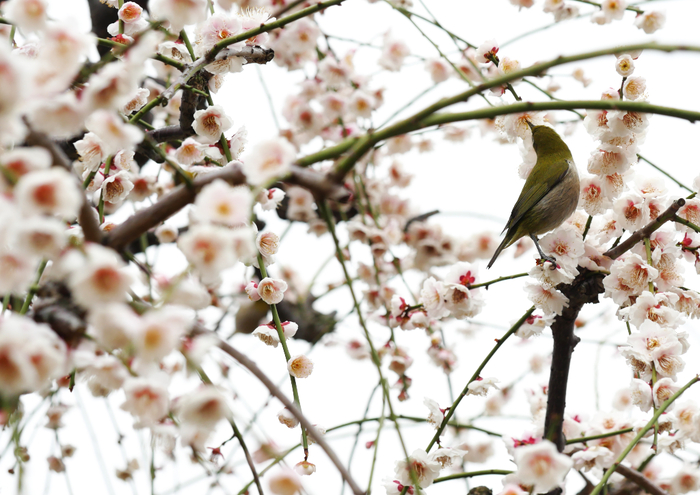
<point x="305" y="423"/>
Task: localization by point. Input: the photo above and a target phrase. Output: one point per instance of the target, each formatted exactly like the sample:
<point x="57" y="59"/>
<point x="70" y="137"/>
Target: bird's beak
<point x="530" y="124"/>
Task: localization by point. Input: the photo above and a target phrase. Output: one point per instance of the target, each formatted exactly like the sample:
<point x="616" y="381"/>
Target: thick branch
<point x="584" y="289"/>
<point x="640" y="480"/>
<point x="305" y="423"/>
<point x="628" y="244"/>
<point x="181" y="196"/>
<point x="168" y="133"/>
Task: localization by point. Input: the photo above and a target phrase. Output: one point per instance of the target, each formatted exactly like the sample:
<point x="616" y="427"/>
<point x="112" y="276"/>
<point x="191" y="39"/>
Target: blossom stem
<point x="475" y="376"/>
<point x="685" y="222"/>
<point x="359" y="431"/>
<point x="428" y="117"/>
<point x="408" y="16"/>
<point x="471" y="474"/>
<point x="236" y="432"/>
<point x="665" y="173"/>
<point x="375" y="445"/>
<point x="655" y="445"/>
<point x="246" y="362"/>
<point x="287" y="355"/>
<point x="360" y="145"/>
<point x="551" y="96"/>
<point x="647" y="245"/>
<point x="326" y="215"/>
<point x="33" y="288"/>
<point x="120" y="4"/>
<point x="186" y="40"/>
<point x="264" y="28"/>
<point x="496" y="280"/>
<point x="101" y="203"/>
<point x="588" y="227"/>
<point x="596" y="437"/>
<point x="603" y="482"/>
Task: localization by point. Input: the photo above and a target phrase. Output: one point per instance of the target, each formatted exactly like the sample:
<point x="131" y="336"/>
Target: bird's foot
<point x="545" y="259"/>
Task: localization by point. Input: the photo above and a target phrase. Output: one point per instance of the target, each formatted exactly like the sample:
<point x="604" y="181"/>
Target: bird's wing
<point x="541" y="180"/>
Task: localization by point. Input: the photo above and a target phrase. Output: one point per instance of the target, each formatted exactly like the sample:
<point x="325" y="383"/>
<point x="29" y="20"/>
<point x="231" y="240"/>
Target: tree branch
<point x="181" y="196"/>
<point x="305" y="423"/>
<point x="666" y="216"/>
<point x="252" y="54"/>
<point x="584" y="289"/>
<point x="640" y="480"/>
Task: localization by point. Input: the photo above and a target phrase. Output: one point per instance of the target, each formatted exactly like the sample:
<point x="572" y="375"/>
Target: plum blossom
<point x="394" y="52"/>
<point x="663" y="390"/>
<point x="113" y="325"/>
<point x="203" y="408"/>
<point x="31" y="354"/>
<point x="287" y="418"/>
<point x="159" y="332"/>
<point x="650" y="21"/>
<point x="220" y="203"/>
<point x="113" y="131"/>
<point x="208" y="248"/>
<point x="628" y="277"/>
<point x="481" y="386"/>
<point x="300" y="366"/>
<point x="432" y="297"/>
<point x="640" y="391"/>
<point x="146" y="398"/>
<point x="460" y="300"/>
<point x="117" y="187"/>
<point x="542" y="465"/>
<point x="418" y="465"/>
<point x="268" y="160"/>
<point x="190" y="151"/>
<point x="28" y="15"/>
<point x="179" y="13"/>
<point x="100" y="277"/>
<point x="285" y="482"/>
<point x="272" y="290"/>
<point x="437" y="415"/>
<point x="53" y="191"/>
<point x="268" y="333"/>
<point x="210" y="123"/>
<point x="546" y="298"/>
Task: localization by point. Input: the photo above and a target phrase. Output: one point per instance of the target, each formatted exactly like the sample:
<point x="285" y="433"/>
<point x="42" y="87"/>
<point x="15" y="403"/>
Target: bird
<point x="549" y="196"/>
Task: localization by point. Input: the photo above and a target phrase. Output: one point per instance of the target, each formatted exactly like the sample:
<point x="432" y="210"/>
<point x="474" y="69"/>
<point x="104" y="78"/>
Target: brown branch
<point x="252" y="55"/>
<point x="305" y="423"/>
<point x="86" y="216"/>
<point x="639" y="235"/>
<point x="584" y="289"/>
<point x="168" y="133"/>
<point x="640" y="480"/>
<point x="181" y="196"/>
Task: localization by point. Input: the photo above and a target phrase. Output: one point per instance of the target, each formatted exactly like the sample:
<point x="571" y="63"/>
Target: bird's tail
<point x="507" y="241"/>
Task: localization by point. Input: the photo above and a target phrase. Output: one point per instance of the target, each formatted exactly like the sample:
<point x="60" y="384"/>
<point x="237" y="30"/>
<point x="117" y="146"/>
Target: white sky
<point x="478" y="176"/>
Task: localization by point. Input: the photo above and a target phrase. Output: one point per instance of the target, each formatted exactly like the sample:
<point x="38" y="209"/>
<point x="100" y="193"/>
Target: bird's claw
<point x="546" y="258"/>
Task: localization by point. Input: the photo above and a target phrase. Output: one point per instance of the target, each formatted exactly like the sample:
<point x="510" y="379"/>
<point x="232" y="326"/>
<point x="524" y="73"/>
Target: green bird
<point x="549" y="196"/>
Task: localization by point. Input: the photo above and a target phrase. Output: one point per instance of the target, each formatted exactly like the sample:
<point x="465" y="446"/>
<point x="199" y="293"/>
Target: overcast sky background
<point x="478" y="176"/>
